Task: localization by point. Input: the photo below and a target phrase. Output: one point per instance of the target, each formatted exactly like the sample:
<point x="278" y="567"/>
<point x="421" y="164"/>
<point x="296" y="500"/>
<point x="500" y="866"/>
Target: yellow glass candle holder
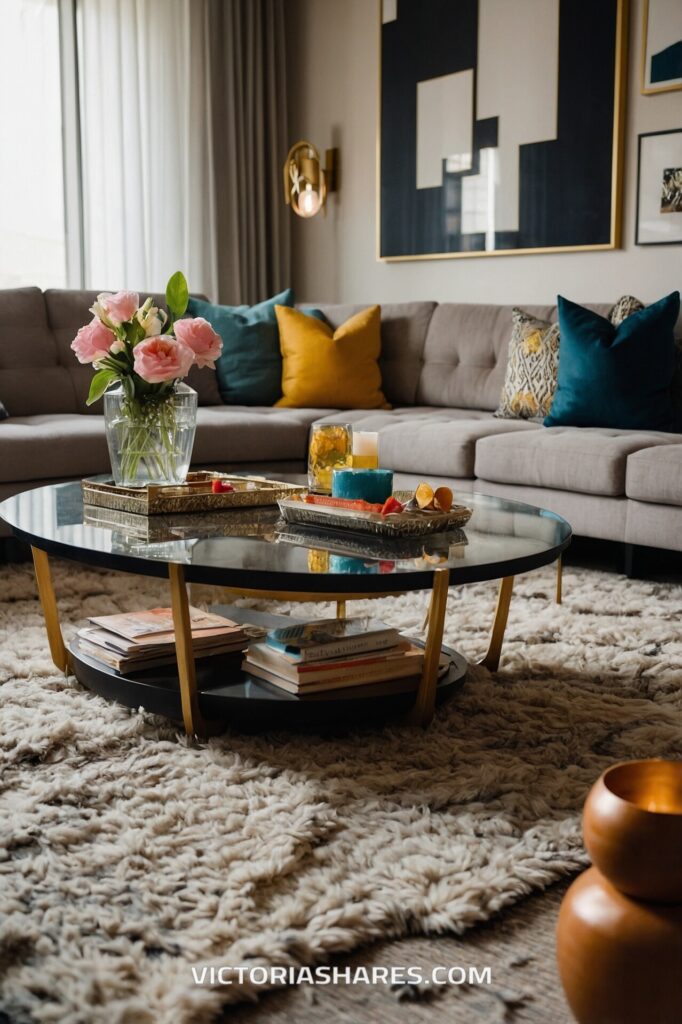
<point x="329" y="449"/>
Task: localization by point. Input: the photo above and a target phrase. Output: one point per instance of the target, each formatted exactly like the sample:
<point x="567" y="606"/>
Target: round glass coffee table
<point x="251" y="552"/>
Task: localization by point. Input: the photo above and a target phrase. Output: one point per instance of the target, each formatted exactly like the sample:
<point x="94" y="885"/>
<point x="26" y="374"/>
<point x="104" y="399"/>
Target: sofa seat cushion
<point x="655" y="474"/>
<point x="52" y="445"/>
<point x="428" y="440"/>
<point x="591" y="460"/>
<point x="71" y="445"/>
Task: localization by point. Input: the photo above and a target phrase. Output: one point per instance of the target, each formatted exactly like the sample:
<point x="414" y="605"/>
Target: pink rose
<point x="198" y="335"/>
<point x="93" y="341"/>
<point x="162" y="358"/>
<point x="118" y="308"/>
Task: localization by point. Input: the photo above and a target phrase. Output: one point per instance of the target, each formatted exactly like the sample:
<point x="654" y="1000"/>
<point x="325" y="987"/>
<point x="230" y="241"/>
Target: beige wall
<point x="333" y="50"/>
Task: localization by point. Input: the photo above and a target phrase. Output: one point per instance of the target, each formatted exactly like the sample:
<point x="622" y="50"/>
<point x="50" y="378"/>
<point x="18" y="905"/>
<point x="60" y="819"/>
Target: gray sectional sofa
<point x="443" y="368"/>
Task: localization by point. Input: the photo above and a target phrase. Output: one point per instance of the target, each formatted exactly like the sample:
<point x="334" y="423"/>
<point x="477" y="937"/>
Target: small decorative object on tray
<point x="202" y="491"/>
<point x="403" y="514"/>
<point x="330" y="449"/>
<point x="129" y="641"/>
<point x="332" y="654"/>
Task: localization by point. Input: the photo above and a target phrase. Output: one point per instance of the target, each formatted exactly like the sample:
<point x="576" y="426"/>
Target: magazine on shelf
<point x="396" y="670"/>
<point x="332" y="638"/>
<point x="133" y="640"/>
<point x="312" y="671"/>
<point x="156" y="624"/>
<point x="130" y="663"/>
<point x="162" y="642"/>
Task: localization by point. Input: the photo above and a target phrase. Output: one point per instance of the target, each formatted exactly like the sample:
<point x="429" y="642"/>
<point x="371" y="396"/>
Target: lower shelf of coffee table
<point x="230" y="695"/>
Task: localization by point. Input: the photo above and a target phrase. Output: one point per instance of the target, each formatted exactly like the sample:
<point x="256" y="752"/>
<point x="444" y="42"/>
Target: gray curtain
<point x="247" y="94"/>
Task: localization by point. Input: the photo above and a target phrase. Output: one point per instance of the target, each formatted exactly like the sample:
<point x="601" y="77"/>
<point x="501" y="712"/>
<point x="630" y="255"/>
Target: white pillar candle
<point x="365" y="443"/>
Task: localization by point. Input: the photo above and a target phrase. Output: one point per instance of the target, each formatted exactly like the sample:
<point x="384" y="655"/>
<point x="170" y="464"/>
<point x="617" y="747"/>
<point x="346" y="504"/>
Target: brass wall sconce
<point x="306" y="183"/>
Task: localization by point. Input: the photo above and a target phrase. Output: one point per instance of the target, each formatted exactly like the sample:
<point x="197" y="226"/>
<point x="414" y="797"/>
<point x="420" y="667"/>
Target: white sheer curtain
<point x="147" y="150"/>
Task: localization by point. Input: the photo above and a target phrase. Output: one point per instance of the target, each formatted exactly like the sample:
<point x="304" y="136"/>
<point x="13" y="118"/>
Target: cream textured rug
<point x="128" y="853"/>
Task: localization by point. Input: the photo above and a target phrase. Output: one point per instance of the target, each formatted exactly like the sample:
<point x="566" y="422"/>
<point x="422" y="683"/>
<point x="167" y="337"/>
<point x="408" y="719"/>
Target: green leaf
<point x="134" y="333"/>
<point x="99" y="384"/>
<point x="177" y="294"/>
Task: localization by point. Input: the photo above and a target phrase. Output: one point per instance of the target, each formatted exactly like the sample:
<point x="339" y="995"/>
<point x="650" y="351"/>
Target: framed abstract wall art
<point x="662" y="46"/>
<point x="500" y="126"/>
<point x="659" y="188"/>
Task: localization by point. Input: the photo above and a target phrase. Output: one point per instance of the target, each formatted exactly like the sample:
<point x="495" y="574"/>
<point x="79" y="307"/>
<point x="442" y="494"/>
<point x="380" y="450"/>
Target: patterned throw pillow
<point x="625" y="307"/>
<point x="531" y="375"/>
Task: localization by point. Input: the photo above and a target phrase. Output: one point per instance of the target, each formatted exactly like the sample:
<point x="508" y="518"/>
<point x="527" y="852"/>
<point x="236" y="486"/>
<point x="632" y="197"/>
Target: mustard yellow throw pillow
<point x="330" y="369"/>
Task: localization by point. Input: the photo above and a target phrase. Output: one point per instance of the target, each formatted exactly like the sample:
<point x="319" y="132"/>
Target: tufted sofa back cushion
<point x="465" y="353"/>
<point x="33" y="377"/>
<point x="67" y="311"/>
<point x="403" y="335"/>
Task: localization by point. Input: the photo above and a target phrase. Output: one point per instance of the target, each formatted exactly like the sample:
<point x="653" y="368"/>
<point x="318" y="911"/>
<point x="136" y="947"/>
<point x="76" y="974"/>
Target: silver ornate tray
<point x="194" y="495"/>
<point x="403" y="524"/>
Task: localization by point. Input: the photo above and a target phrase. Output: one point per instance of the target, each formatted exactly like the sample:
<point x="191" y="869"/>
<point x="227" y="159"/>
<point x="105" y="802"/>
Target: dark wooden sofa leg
<point x="630" y="560"/>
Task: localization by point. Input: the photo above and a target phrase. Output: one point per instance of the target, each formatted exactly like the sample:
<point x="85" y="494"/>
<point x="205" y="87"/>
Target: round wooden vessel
<point x="633" y="829"/>
<point x="619" y="958"/>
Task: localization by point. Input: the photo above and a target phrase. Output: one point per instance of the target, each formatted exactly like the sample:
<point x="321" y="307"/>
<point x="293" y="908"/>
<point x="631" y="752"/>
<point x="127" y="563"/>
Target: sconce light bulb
<point x="308" y="202"/>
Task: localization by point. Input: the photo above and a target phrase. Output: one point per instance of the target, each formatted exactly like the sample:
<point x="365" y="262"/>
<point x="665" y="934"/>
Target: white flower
<point x="151" y="319"/>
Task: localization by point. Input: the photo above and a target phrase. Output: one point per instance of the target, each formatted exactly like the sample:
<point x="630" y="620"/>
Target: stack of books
<point x="330" y="654"/>
<point x="137" y="640"/>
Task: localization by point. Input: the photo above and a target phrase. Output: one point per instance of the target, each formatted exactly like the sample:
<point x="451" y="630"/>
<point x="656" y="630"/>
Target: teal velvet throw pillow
<point x="616" y="376"/>
<point x="249" y="368"/>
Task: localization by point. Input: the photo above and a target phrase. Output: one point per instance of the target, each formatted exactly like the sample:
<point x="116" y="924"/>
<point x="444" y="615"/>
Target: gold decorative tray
<point x="403" y="524"/>
<point x="195" y="495"/>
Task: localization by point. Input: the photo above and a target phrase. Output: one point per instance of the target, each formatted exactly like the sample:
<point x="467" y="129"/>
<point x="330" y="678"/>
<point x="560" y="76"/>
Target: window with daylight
<point x="32" y="223"/>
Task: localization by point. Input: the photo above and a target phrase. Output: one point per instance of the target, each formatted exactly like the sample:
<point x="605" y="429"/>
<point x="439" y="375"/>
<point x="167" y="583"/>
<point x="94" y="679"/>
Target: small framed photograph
<point x="662" y="46"/>
<point x="659" y="188"/>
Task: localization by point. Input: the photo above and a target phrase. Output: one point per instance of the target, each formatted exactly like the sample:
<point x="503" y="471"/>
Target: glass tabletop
<point x="256" y="549"/>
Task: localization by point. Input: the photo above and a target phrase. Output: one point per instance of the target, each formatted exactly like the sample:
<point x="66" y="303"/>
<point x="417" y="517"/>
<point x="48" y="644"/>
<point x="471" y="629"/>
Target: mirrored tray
<point x="434" y="548"/>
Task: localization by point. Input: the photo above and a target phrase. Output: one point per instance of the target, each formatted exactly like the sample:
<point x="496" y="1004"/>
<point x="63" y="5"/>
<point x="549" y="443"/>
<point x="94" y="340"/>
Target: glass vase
<point x="150" y="438"/>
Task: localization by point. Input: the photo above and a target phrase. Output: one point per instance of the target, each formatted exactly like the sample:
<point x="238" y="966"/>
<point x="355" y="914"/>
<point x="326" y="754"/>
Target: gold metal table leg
<point x="191" y="715"/>
<point x="559" y="580"/>
<point x="425" y="702"/>
<point x="340" y="609"/>
<point x="492" y="658"/>
<point x="48" y="602"/>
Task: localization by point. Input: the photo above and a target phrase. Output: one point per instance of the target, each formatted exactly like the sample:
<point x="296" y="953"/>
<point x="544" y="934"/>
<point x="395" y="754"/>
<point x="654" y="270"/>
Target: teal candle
<point x="373" y="485"/>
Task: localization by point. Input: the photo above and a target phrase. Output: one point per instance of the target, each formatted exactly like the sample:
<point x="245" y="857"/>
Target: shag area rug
<point x="129" y="853"/>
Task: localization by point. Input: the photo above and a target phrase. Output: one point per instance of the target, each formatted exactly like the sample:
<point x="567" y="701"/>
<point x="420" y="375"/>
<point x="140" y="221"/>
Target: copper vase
<point x="619" y="935"/>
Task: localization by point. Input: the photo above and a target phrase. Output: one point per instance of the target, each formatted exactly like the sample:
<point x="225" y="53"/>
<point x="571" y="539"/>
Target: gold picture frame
<point x="617" y="161"/>
<point x="651" y="90"/>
